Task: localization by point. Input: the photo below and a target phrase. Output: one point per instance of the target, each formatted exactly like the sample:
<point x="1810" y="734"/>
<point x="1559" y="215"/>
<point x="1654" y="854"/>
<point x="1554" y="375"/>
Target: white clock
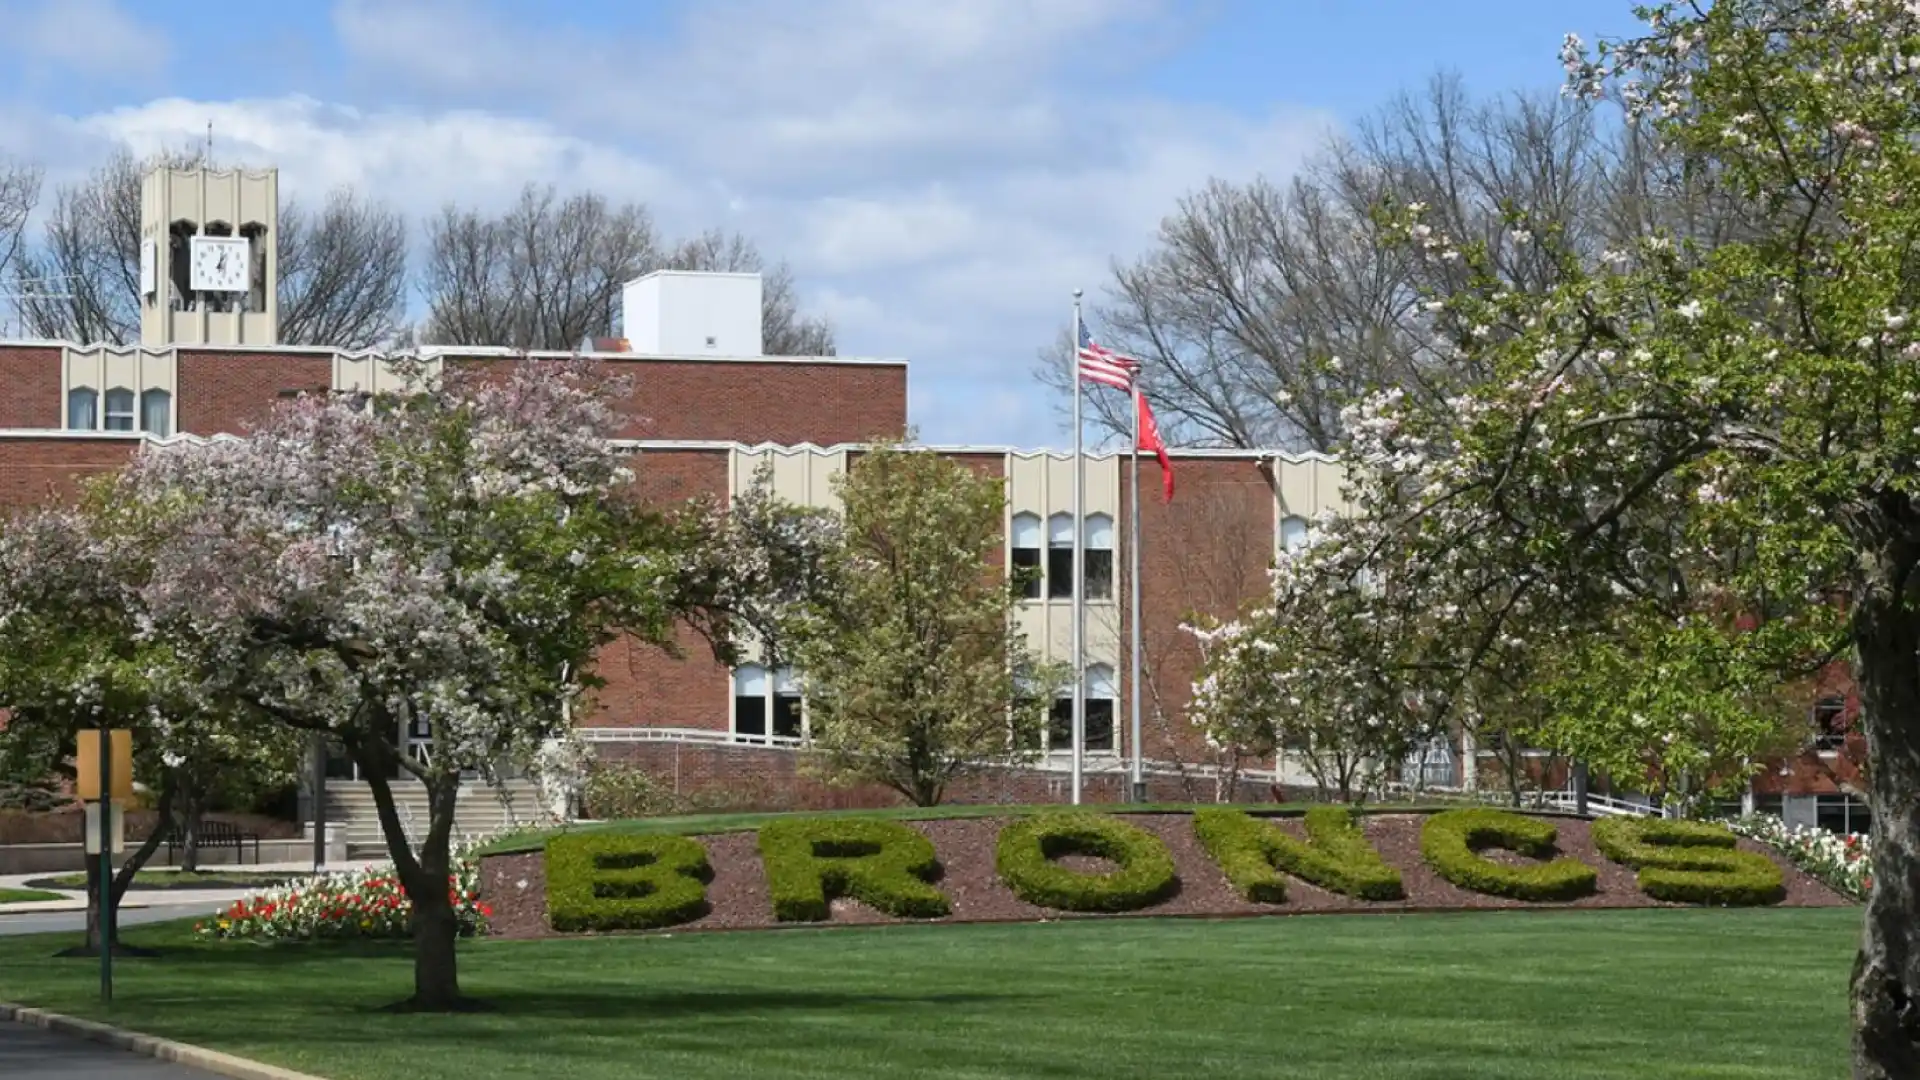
<point x="219" y="264"/>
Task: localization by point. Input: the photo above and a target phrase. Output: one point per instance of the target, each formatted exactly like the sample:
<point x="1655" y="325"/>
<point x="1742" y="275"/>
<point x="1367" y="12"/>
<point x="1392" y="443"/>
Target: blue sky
<point x="940" y="174"/>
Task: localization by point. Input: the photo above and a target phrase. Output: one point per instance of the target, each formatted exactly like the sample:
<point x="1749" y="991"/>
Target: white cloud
<point x="940" y="175"/>
<point x="92" y="37"/>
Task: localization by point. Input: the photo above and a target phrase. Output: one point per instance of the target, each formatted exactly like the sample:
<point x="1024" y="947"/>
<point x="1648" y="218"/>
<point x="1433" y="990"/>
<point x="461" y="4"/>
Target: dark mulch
<point x="516" y="884"/>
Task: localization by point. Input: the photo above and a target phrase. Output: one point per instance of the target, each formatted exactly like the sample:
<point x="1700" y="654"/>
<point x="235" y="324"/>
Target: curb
<point x="149" y="1046"/>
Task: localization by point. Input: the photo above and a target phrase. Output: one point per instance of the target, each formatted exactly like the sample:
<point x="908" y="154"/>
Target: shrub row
<point x="599" y="881"/>
<point x="1028" y="847"/>
<point x="1690" y="862"/>
<point x="1256" y="857"/>
<point x="1452" y="842"/>
<point x="885" y="865"/>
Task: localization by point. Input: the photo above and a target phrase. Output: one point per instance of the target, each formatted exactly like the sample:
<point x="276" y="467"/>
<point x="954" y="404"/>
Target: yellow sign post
<point x="103" y="772"/>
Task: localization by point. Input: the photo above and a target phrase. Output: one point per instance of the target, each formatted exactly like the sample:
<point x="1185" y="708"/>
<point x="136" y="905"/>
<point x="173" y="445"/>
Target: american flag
<point x="1104" y="366"/>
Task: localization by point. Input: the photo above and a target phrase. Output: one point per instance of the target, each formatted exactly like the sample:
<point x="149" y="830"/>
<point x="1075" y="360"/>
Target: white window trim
<point x="107" y="413"/>
<point x="771" y="675"/>
<point x="1066" y="694"/>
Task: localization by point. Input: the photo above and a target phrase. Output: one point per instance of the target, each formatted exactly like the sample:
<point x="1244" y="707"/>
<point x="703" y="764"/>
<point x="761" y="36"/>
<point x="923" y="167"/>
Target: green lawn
<point x="18" y="896"/>
<point x="1487" y="996"/>
<point x="183" y="879"/>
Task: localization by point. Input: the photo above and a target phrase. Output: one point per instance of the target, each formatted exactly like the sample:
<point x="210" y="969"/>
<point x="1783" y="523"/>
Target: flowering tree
<point x="74" y="655"/>
<point x="914" y="661"/>
<point x="451" y="558"/>
<point x="1717" y="450"/>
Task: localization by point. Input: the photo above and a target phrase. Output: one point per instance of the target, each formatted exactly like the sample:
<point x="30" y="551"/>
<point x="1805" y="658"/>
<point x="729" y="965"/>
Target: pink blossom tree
<point x="451" y="557"/>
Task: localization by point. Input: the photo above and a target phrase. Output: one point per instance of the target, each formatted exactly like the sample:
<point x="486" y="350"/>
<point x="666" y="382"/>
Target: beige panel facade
<point x="373" y="374"/>
<point x="177" y="204"/>
<point x="801" y="474"/>
<point x="1304" y="487"/>
<point x="120" y="381"/>
<point x="1041" y="484"/>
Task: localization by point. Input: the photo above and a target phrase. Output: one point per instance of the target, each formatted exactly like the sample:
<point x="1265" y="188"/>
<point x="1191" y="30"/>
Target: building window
<point x="786" y="705"/>
<point x="1293" y="533"/>
<point x="1099" y="558"/>
<point x="1843" y="814"/>
<point x="1101" y="701"/>
<point x="83" y="409"/>
<point x="766" y="704"/>
<point x="750" y="701"/>
<point x="1829" y="723"/>
<point x="120" y="409"/>
<point x="156" y="412"/>
<point x="1060" y="557"/>
<point x="1026" y="554"/>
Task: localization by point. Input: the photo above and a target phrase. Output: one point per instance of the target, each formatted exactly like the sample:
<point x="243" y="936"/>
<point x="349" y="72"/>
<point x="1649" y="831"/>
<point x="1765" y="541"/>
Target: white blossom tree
<point x="74" y="655"/>
<point x="1704" y="461"/>
<point x="451" y="557"/>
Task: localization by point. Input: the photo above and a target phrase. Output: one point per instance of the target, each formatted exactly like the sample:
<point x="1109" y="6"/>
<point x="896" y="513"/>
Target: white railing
<point x="703" y="736"/>
<point x="1600" y="805"/>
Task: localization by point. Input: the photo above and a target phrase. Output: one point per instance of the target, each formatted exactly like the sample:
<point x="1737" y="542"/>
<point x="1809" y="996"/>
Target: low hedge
<point x="605" y="881"/>
<point x="883" y="864"/>
<point x="1690" y="862"/>
<point x="1027" y="848"/>
<point x="1451" y="842"/>
<point x="1256" y="856"/>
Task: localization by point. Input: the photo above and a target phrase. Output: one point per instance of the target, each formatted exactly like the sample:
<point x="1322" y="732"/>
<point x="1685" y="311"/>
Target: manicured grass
<point x="21" y="896"/>
<point x="692" y="824"/>
<point x="1714" y="995"/>
<point x="183" y="879"/>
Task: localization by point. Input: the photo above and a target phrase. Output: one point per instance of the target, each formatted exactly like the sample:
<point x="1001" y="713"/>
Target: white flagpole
<point x="1079" y="725"/>
<point x="1133" y="574"/>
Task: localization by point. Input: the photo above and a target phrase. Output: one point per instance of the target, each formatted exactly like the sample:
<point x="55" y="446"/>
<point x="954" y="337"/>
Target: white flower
<point x="1691" y="310"/>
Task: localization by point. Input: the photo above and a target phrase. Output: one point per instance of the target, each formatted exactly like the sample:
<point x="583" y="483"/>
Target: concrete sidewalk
<point x="207" y="899"/>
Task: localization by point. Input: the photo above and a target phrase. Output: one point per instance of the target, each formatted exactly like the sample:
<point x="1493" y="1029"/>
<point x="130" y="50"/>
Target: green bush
<point x="1256" y="857"/>
<point x="1028" y="847"/>
<point x="883" y="864"/>
<point x="1452" y="841"/>
<point x="1690" y="862"/>
<point x="615" y="790"/>
<point x="607" y="881"/>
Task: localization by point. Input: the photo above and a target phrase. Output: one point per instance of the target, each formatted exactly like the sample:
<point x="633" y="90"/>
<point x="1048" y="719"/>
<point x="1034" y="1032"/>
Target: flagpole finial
<point x="1076" y="294"/>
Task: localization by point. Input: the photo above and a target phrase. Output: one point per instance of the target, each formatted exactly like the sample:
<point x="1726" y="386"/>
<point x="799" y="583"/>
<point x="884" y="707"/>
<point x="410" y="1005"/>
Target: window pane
<point x="1028" y="558"/>
<point x="786" y="716"/>
<point x="1100" y="682"/>
<point x="156" y="412"/>
<point x="1099" y="575"/>
<point x="1293" y="533"/>
<point x="119" y="409"/>
<point x="1099" y="724"/>
<point x="1100" y="532"/>
<point x="750" y="715"/>
<point x="1026" y="531"/>
<point x="784" y="681"/>
<point x="1829" y="729"/>
<point x="1060" y="725"/>
<point x="1060" y="530"/>
<point x="1060" y="573"/>
<point x="81" y="403"/>
<point x="750" y="680"/>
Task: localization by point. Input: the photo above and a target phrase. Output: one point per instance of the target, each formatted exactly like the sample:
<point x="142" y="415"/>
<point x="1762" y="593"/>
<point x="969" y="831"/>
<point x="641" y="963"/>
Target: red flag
<point x="1150" y="440"/>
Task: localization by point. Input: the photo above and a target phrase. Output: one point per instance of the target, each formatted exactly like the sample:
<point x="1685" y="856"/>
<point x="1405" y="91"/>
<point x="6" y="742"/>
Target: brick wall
<point x="224" y="392"/>
<point x="645" y="686"/>
<point x="32" y="469"/>
<point x="776" y="400"/>
<point x="30" y="387"/>
<point x="1207" y="551"/>
<point x="758" y="778"/>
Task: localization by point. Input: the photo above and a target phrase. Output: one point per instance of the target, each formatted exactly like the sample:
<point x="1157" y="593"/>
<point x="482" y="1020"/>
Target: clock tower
<point x="209" y="268"/>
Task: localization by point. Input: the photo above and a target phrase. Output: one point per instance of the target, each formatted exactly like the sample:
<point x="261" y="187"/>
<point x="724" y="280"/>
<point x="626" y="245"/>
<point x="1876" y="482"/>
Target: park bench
<point x="217" y="834"/>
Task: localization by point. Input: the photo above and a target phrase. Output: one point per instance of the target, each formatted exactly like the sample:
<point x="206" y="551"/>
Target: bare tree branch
<point x="343" y="273"/>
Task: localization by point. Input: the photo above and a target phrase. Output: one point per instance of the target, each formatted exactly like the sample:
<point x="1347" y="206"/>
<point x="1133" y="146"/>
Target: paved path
<point x="28" y="1053"/>
<point x="75" y="922"/>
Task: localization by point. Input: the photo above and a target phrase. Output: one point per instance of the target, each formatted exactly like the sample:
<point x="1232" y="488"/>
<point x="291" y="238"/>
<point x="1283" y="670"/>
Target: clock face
<point x="219" y="264"/>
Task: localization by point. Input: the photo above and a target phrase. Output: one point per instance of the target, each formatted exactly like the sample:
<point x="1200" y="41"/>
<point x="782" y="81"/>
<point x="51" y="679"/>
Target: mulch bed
<point x="516" y="884"/>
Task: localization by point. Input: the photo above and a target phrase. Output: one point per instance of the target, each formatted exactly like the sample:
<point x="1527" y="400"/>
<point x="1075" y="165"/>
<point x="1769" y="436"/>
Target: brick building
<point x="707" y="411"/>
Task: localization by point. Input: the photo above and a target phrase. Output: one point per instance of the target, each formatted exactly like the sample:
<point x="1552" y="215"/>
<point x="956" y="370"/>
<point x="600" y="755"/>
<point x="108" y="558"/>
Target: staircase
<point x="479" y="811"/>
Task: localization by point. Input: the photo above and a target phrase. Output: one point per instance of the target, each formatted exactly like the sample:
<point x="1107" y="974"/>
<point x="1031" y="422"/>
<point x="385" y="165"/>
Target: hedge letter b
<point x="599" y="882"/>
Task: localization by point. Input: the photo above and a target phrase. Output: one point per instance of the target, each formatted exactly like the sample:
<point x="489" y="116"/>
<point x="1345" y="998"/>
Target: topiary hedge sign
<point x="609" y="881"/>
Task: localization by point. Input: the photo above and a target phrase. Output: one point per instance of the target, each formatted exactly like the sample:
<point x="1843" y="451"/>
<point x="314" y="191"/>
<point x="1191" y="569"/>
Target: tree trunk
<point x="190" y="816"/>
<point x="1886" y="974"/>
<point x="122" y="879"/>
<point x="426" y="877"/>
